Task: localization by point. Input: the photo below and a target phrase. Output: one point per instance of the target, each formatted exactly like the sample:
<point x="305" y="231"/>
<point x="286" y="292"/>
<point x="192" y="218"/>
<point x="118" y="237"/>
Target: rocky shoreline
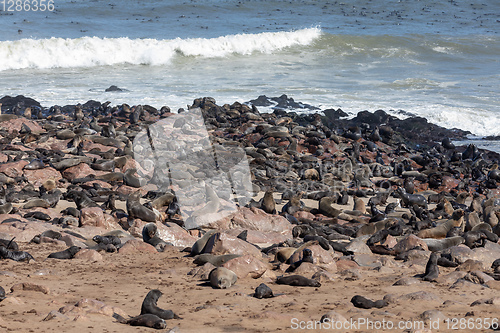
<point x="372" y="200"/>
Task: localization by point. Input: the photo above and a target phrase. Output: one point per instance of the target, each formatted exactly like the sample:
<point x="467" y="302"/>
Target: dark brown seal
<point x="149" y="305"/>
<point x="69" y="253"/>
<point x="298" y="281"/>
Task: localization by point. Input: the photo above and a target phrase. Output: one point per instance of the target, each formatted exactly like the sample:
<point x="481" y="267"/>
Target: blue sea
<point x="437" y="59"/>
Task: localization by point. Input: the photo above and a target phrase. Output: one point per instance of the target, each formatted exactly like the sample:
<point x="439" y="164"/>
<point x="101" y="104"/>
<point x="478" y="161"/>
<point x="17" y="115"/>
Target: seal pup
<point x="268" y="204"/>
<point x="263" y="291"/>
<point x="365" y="303"/>
<point x="149" y="305"/>
<point x="69" y="253"/>
<point x="431" y="269"/>
<point x="298" y="281"/>
<point x="131" y="180"/>
<point x="222" y="278"/>
<point x="150" y="236"/>
<point x="146" y="320"/>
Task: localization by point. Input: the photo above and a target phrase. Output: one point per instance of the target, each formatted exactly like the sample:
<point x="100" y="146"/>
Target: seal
<point x="2" y="294"/>
<point x="38" y="215"/>
<point x="326" y="207"/>
<point x="15" y="255"/>
<point x="131" y="180"/>
<point x="431" y="269"/>
<point x="103" y="165"/>
<point x="136" y="210"/>
<point x="146" y="320"/>
<point x="199" y="245"/>
<point x="307" y="256"/>
<point x="442" y="229"/>
<point x="69" y="253"/>
<point x="263" y="291"/>
<point x="34" y="165"/>
<point x="268" y="204"/>
<point x="81" y="199"/>
<point x="216" y="260"/>
<point x="163" y="200"/>
<point x="222" y="278"/>
<point x="435" y="245"/>
<point x="149" y="306"/>
<point x="150" y="236"/>
<point x="298" y="280"/>
<point x="9" y="244"/>
<point x="365" y="303"/>
<point x="6" y="208"/>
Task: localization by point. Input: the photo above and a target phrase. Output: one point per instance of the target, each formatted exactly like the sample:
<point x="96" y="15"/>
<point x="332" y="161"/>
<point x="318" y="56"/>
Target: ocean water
<point x="437" y="59"/>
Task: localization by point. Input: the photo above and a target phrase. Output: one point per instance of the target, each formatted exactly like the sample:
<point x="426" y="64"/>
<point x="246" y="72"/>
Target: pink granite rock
<point x="88" y="254"/>
<point x="16" y="125"/>
<point x="221" y="243"/>
<point x="135" y="246"/>
<point x="246" y="265"/>
<point x="260" y="238"/>
<point x="175" y="234"/>
<point x="30" y="287"/>
<point x="78" y="171"/>
<point x="13" y="169"/>
<point x="253" y="219"/>
<point x="92" y="216"/>
<point x="38" y="177"/>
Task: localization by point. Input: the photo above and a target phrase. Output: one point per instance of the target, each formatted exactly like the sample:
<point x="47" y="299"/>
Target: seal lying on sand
<point x="222" y="278"/>
<point x="15" y="255"/>
<point x="298" y="280"/>
<point x="146" y="320"/>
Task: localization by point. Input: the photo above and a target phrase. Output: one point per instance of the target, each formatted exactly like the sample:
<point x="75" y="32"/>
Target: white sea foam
<point x="95" y="51"/>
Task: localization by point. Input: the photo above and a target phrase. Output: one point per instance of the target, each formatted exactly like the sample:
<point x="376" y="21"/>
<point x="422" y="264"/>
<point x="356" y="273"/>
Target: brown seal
<point x="268" y="204"/>
<point x="146" y="320"/>
<point x="222" y="278"/>
<point x="298" y="281"/>
<point x="149" y="306"/>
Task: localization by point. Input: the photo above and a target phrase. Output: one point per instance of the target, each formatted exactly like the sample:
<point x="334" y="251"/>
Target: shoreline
<point x="366" y="198"/>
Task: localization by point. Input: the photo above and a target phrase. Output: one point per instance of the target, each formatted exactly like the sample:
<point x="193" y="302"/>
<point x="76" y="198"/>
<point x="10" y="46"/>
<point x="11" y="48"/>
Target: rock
<point x="451" y="277"/>
<point x="202" y="272"/>
<point x="487" y="254"/>
<point x="246" y="265"/>
<point x="323" y="276"/>
<point x="174" y="234"/>
<point x="78" y="171"/>
<point x="13" y="169"/>
<point x="29" y="286"/>
<point x="358" y="246"/>
<point x="260" y="238"/>
<point x="253" y="219"/>
<point x="420" y="296"/>
<point x="408" y="243"/>
<point x="92" y="216"/>
<point x="458" y="254"/>
<point x="407" y="281"/>
<point x="38" y="177"/>
<point x="432" y="316"/>
<point x="222" y="243"/>
<point x="343" y="264"/>
<point x="54" y="314"/>
<point x="89" y="255"/>
<point x="471" y="265"/>
<point x="135" y="245"/>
